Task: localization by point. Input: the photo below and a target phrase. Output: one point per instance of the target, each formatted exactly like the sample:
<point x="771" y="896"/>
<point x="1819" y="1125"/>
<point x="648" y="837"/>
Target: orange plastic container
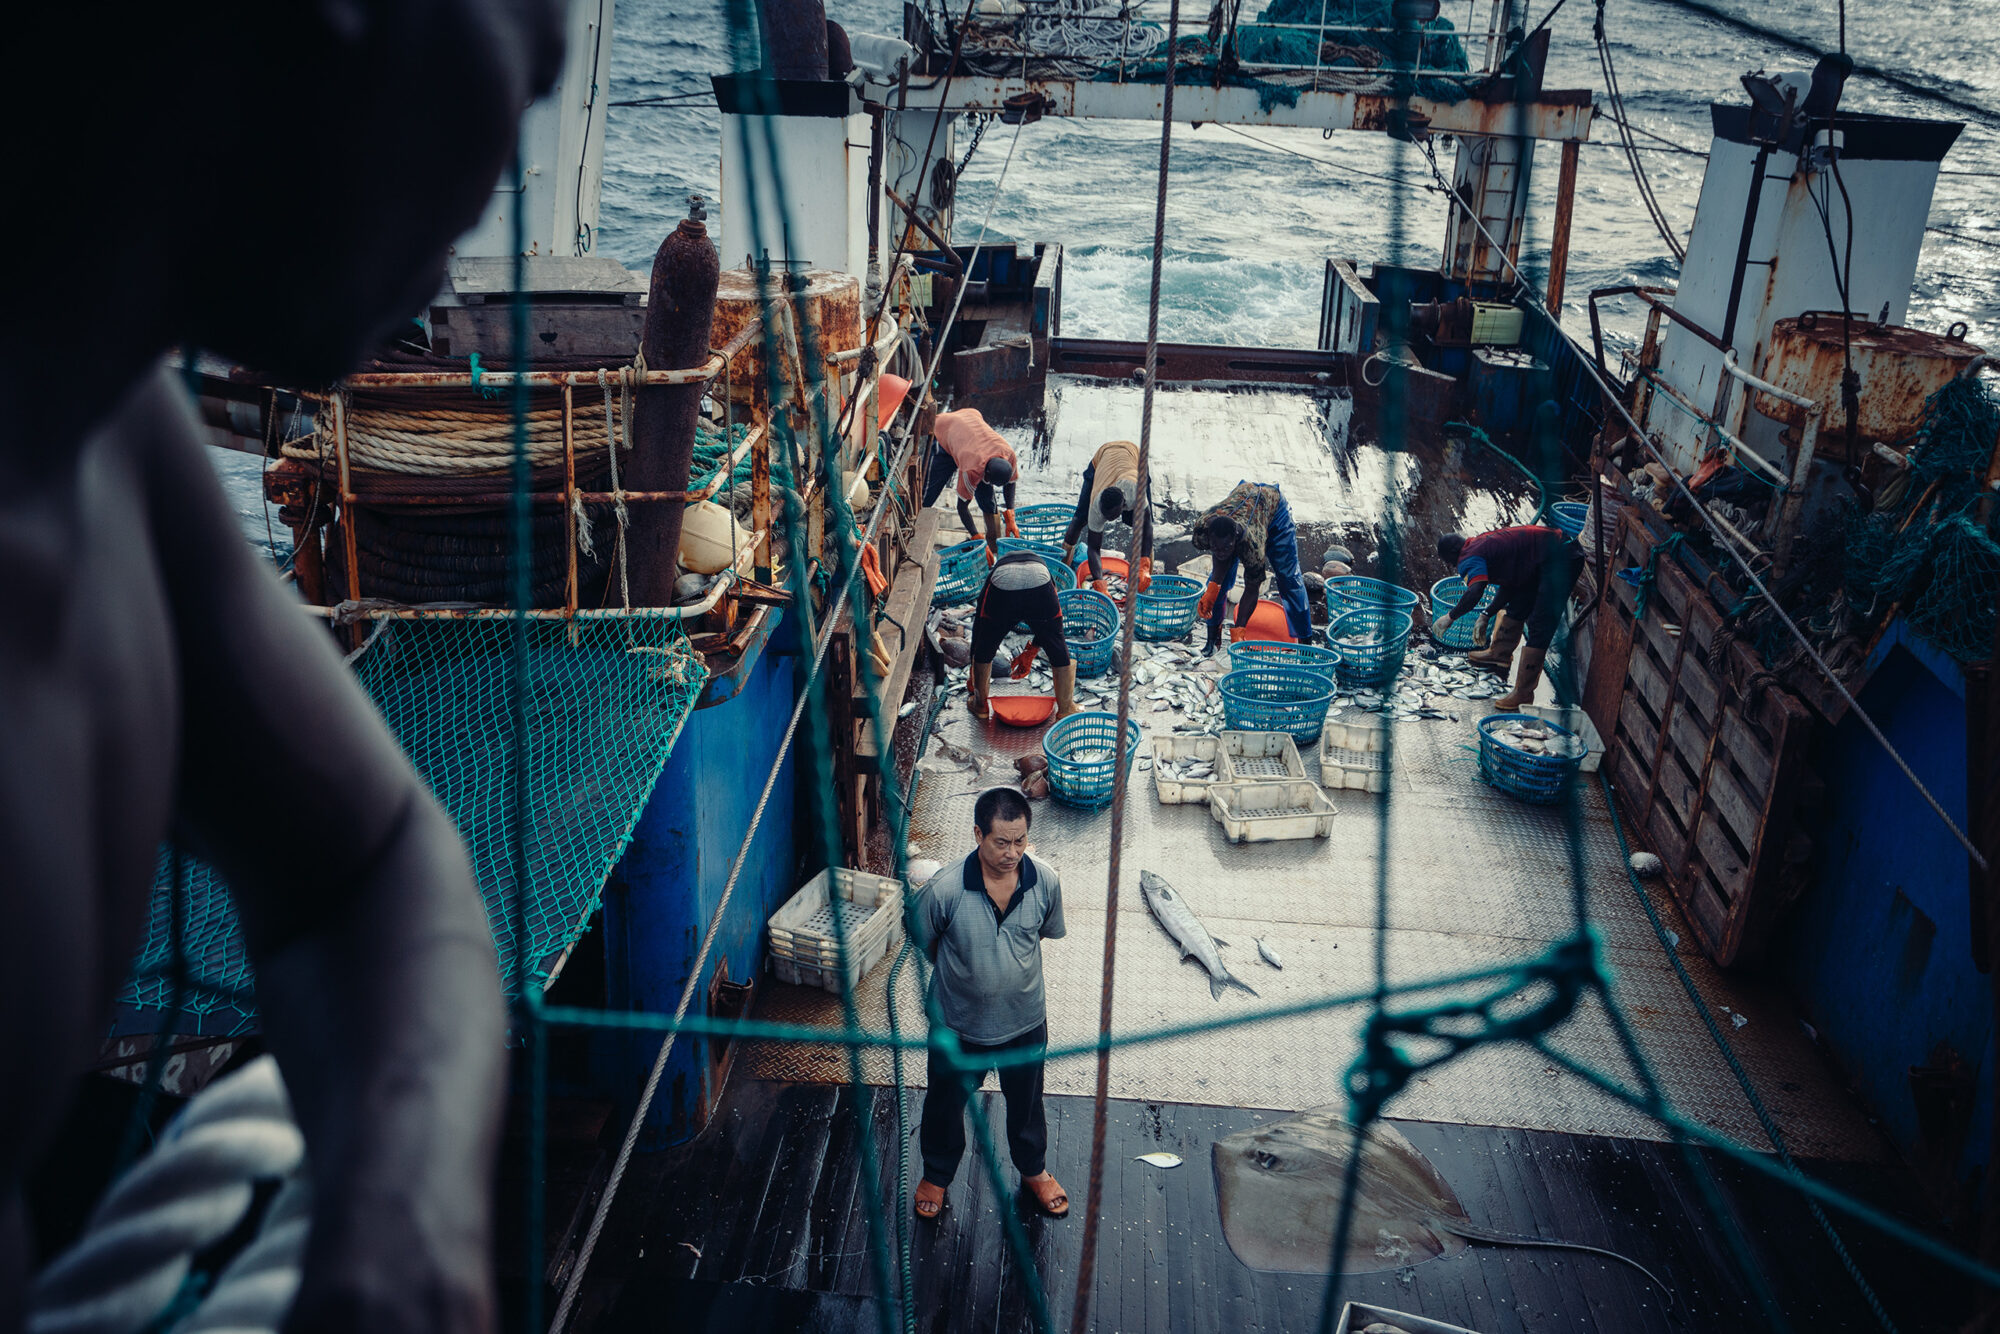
<point x="1266" y="622"/>
<point x="1023" y="710"/>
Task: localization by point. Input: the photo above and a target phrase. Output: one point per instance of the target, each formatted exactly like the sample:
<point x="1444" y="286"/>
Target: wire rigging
<point x="1622" y="119"/>
<point x="1122" y="754"/>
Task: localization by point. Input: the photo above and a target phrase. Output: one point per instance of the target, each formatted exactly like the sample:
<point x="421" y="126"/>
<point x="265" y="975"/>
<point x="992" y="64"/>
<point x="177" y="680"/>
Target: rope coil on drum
<point x="195" y="1188"/>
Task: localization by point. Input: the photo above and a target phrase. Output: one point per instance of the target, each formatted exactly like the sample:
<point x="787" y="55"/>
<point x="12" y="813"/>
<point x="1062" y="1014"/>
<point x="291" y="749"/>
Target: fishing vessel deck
<point x="766" y="1201"/>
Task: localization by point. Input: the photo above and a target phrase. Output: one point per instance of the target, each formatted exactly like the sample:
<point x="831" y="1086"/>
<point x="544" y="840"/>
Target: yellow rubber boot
<point x="1498" y="656"/>
<point x="980" y="686"/>
<point x="1066" y="690"/>
<point x="1524" y="684"/>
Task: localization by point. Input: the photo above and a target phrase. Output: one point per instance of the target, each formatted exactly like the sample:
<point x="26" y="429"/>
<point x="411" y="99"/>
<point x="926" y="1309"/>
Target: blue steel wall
<point x="659" y="899"/>
<point x="1878" y="949"/>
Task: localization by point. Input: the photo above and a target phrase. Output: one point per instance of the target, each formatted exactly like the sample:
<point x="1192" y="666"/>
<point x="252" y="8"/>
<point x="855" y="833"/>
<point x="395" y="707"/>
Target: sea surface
<point x="1250" y="224"/>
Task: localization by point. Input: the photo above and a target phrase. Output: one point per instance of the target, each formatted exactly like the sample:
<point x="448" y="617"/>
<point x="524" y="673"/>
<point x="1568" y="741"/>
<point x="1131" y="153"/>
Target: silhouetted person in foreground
<point x="277" y="181"/>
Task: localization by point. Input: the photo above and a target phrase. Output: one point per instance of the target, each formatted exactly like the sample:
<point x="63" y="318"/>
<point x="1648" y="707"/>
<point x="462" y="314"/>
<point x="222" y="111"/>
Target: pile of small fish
<point x="1534" y="739"/>
<point x="1116" y="588"/>
<point x="1187" y="771"/>
<point x="1429" y="678"/>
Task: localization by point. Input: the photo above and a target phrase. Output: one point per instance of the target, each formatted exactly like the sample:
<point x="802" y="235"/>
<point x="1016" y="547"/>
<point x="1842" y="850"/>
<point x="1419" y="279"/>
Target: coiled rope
<point x="194" y="1189"/>
<point x="451" y="442"/>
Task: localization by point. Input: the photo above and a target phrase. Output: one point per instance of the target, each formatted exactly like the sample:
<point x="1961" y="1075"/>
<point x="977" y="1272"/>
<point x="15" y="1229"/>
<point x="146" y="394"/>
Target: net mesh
<point x="1923" y="549"/>
<point x="605" y="699"/>
<point x="600" y="711"/>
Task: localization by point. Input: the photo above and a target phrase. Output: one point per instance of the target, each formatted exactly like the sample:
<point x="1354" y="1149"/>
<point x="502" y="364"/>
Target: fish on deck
<point x="1195" y="943"/>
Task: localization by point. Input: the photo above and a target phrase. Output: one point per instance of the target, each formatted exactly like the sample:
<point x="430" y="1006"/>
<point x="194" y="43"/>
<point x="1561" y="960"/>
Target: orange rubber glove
<point x="1206" y="607"/>
<point x="1102" y="586"/>
<point x="1143" y="580"/>
<point x="1025" y="663"/>
<point x="1008" y="525"/>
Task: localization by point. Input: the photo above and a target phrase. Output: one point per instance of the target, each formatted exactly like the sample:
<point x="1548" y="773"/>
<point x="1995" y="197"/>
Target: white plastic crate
<point x="803" y="949"/>
<point x="1577" y="721"/>
<point x="1180" y="791"/>
<point x="1268" y="812"/>
<point x="1260" y="757"/>
<point x="1351" y="770"/>
<point x="1353" y="731"/>
<point x="1357" y="1316"/>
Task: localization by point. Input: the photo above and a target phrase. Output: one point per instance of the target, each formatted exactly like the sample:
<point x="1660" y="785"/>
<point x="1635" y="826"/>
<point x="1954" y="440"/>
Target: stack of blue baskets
<point x="961" y="574"/>
<point x="1445" y="594"/>
<point x="1089" y="783"/>
<point x="1086" y="608"/>
<point x="1043" y="523"/>
<point x="1276" y="699"/>
<point x="1532" y="778"/>
<point x="1371" y="664"/>
<point x="1166" y="609"/>
<point x="1277" y="653"/>
<point x="1354" y="592"/>
<point x="962" y="569"/>
<point x="1569" y="515"/>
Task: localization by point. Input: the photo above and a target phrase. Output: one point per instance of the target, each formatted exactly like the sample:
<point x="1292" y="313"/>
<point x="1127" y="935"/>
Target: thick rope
<point x="1086" y="1269"/>
<point x="452" y="442"/>
<point x="190" y="1192"/>
<point x="574" y="1284"/>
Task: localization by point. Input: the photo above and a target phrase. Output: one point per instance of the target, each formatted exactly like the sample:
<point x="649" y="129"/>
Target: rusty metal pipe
<point x="1650" y="296"/>
<point x="950" y="255"/>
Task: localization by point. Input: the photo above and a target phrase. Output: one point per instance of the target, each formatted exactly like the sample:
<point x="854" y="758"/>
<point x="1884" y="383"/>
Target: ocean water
<point x="1250" y="224"/>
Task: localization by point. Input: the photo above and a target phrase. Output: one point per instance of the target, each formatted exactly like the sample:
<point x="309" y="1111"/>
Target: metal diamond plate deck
<point x="1475" y="879"/>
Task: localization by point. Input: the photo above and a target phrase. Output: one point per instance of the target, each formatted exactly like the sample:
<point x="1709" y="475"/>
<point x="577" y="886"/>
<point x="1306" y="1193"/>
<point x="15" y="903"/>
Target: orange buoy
<point x="889" y="396"/>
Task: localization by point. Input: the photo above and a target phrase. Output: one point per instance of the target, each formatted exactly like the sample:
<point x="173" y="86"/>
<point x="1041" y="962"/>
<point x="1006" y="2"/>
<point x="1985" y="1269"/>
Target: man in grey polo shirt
<point x="982" y="922"/>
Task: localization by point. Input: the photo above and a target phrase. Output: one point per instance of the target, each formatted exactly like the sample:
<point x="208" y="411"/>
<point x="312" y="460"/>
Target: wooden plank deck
<point x="760" y="1225"/>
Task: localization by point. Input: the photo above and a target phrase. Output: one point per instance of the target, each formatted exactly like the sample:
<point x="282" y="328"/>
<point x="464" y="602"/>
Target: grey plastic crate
<point x="803" y="949"/>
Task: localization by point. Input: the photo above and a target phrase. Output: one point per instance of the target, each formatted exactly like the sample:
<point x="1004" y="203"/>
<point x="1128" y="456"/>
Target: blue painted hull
<point x="658" y="902"/>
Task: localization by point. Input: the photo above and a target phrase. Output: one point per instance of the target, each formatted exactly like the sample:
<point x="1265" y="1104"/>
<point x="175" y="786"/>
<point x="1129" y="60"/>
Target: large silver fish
<point x="1188" y="932"/>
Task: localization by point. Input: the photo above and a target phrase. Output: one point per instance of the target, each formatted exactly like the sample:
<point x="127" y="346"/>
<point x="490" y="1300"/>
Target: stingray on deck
<point x="1279" y="1188"/>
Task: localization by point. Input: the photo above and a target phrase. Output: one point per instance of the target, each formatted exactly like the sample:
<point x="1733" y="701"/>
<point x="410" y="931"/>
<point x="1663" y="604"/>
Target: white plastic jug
<point x="710" y="538"/>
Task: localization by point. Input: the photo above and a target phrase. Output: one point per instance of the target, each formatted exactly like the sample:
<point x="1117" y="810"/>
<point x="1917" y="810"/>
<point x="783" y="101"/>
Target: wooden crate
<point x="1706" y="751"/>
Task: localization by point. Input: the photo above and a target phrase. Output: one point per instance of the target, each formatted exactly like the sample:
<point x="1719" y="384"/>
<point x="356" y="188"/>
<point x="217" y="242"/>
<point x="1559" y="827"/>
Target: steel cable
<point x="573" y="1285"/>
<point x="1093" y="1202"/>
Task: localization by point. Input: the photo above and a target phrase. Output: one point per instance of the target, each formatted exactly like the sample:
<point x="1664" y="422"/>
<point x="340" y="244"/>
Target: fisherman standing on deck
<point x="982" y="921"/>
<point x="1251" y="526"/>
<point x="1534" y="568"/>
<point x="1111" y="493"/>
<point x="966" y="447"/>
<point x="1019" y="589"/>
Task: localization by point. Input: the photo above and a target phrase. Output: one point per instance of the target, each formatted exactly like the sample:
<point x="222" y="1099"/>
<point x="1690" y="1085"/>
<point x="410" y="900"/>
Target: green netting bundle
<point x="1927" y="551"/>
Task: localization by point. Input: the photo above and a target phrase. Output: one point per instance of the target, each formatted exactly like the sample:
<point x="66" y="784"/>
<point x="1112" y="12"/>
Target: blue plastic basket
<point x="1166" y="609"/>
<point x="1569" y="515"/>
<point x="1354" y="592"/>
<point x="1086" y="608"/>
<point x="1087" y="783"/>
<point x="1052" y="557"/>
<point x="1277" y="653"/>
<point x="1043" y="523"/>
<point x="1373" y="664"/>
<point x="1532" y="778"/>
<point x="961" y="574"/>
<point x="1276" y="699"/>
<point x="1445" y="594"/>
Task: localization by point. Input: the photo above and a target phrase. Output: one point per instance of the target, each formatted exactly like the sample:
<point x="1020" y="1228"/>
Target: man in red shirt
<point x="1534" y="568"/>
<point x="981" y="459"/>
